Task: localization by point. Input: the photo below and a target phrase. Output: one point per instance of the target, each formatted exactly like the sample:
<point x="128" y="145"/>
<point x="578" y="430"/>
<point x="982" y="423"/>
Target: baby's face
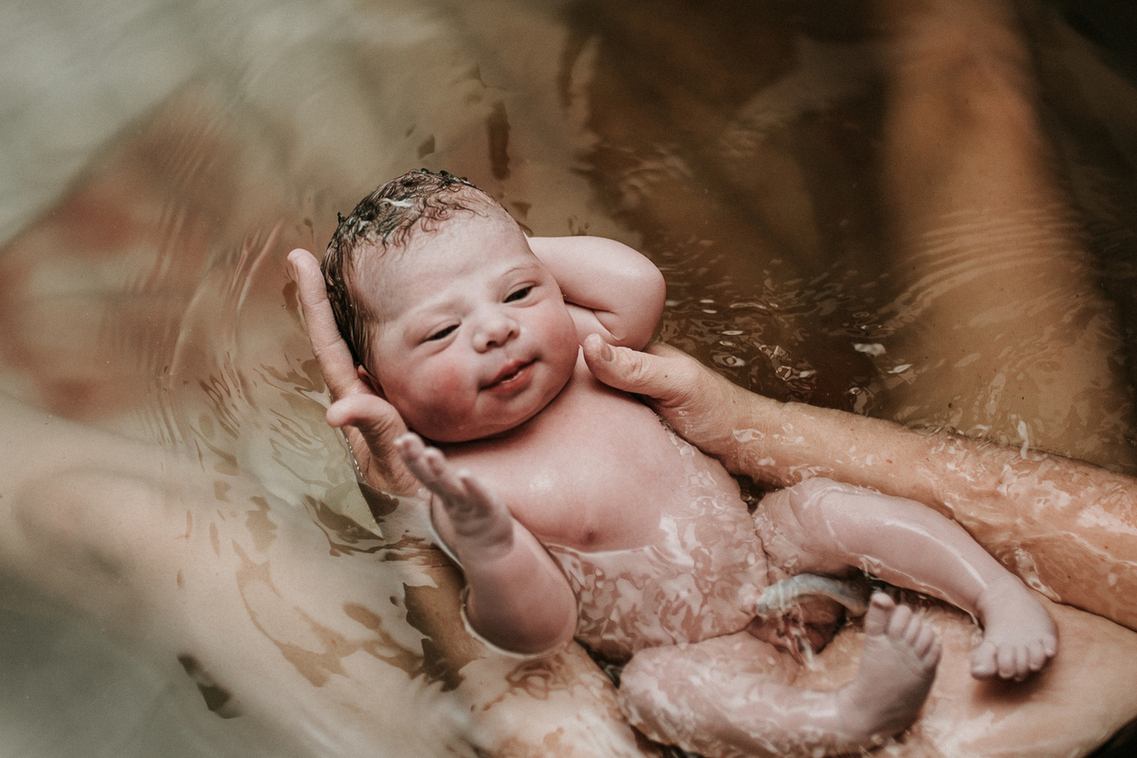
<point x="473" y="337"/>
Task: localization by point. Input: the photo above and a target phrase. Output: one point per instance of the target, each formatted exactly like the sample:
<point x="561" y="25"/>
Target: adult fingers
<point x="331" y="351"/>
<point x="377" y="425"/>
<point x="663" y="373"/>
<point x="700" y="405"/>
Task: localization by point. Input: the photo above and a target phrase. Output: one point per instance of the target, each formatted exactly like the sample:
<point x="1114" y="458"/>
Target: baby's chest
<point x="599" y="491"/>
<point x="598" y="472"/>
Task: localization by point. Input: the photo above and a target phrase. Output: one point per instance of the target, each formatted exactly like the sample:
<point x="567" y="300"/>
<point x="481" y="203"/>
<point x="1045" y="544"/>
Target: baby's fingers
<point x="428" y="465"/>
<point x="431" y="468"/>
<point x="485" y="520"/>
<point x="470" y="507"/>
<point x="484" y="497"/>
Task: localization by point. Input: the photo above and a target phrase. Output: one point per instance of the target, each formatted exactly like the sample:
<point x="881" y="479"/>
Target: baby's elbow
<point x="650" y="283"/>
<point x="534" y="620"/>
<point x="552" y="642"/>
<point x="547" y="632"/>
<point x="651" y="294"/>
<point x="655" y="289"/>
<point x="554" y="629"/>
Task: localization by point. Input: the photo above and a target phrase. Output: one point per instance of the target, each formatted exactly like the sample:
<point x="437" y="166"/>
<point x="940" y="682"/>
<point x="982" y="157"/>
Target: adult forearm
<point x="1067" y="527"/>
<point x="785" y="443"/>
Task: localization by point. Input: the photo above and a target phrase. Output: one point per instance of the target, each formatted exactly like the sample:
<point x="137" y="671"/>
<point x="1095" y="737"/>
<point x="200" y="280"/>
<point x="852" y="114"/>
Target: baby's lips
<point x="507" y="371"/>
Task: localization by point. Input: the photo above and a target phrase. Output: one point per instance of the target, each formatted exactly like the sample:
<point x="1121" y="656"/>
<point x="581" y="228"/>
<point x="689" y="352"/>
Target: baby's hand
<point x="472" y="520"/>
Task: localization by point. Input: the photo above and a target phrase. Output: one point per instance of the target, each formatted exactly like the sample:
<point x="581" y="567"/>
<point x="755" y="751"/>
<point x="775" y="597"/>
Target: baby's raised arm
<point x="518" y="598"/>
<point x="611" y="289"/>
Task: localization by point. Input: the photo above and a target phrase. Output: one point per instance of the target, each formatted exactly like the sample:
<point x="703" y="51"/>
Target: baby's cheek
<point x="559" y="330"/>
<point x="426" y="398"/>
<point x="445" y="395"/>
<point x="445" y="384"/>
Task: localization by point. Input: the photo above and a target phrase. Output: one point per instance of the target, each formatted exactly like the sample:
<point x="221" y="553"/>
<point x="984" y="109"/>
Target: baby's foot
<point x="1019" y="636"/>
<point x="901" y="653"/>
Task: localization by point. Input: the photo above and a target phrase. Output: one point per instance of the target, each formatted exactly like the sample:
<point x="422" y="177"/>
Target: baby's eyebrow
<point x="427" y="311"/>
<point x="520" y="267"/>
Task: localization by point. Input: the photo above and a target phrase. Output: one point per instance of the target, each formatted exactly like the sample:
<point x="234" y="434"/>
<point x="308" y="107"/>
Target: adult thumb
<point x="658" y="373"/>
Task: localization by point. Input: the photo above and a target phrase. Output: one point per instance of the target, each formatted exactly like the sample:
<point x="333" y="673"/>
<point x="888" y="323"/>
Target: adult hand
<point x="370" y="423"/>
<point x="702" y="406"/>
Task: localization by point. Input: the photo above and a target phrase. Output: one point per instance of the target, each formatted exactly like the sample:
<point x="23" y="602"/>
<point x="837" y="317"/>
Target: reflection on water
<point x="161" y="158"/>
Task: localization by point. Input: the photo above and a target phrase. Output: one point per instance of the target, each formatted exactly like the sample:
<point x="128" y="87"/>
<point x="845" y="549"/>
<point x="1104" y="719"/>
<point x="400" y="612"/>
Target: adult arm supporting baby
<point x="611" y="289"/>
<point x="1052" y="520"/>
<point x="518" y="599"/>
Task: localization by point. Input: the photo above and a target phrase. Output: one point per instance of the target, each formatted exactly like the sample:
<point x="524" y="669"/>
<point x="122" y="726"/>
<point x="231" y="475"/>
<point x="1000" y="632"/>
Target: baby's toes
<point x="1015" y="662"/>
<point x="934" y="654"/>
<point x="1006" y="659"/>
<point x="927" y="647"/>
<point x="1035" y="656"/>
<point x="984" y="660"/>
<point x="1040" y="653"/>
<point x="901" y="625"/>
<point x="879" y="614"/>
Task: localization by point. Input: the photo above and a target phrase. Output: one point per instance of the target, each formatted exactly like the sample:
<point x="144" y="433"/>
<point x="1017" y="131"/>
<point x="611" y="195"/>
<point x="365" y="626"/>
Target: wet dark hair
<point x="383" y="220"/>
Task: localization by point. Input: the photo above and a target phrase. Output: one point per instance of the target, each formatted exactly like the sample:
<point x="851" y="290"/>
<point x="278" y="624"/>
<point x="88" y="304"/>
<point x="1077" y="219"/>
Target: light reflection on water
<point x="163" y="157"/>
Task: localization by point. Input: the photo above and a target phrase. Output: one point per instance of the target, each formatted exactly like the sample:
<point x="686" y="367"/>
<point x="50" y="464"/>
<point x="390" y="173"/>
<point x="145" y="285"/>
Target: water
<point x="161" y="158"/>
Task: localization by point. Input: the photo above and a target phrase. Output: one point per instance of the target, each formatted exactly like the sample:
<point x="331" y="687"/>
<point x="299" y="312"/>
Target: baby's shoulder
<point x="592" y="406"/>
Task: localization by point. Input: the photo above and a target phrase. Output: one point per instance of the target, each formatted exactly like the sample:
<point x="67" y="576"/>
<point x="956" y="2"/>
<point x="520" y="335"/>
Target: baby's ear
<point x="373" y="383"/>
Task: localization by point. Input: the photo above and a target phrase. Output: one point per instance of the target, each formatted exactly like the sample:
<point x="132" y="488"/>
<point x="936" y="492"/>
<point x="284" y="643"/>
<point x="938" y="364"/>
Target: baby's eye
<point x="441" y="333"/>
<point x="518" y="294"/>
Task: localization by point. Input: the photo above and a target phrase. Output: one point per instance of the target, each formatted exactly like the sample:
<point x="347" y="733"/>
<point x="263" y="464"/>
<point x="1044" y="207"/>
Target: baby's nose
<point x="494" y="331"/>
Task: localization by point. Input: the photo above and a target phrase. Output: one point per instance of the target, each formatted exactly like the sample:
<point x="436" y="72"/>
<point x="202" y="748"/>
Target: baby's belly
<point x="700" y="580"/>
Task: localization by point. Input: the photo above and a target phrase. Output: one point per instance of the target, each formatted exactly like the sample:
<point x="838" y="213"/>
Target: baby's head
<point x="381" y="222"/>
<point x="446" y="310"/>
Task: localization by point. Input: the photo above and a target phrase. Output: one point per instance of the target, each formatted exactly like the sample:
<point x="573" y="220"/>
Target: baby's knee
<point x="649" y="673"/>
<point x="656" y="691"/>
<point x="804" y="499"/>
<point x="813" y="487"/>
<point x="796" y="524"/>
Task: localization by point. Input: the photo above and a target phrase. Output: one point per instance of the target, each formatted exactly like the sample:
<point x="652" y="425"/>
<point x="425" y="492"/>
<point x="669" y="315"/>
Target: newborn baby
<point x="574" y="512"/>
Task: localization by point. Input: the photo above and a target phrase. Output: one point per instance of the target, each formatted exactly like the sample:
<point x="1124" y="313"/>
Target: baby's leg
<point x="824" y="527"/>
<point x="724" y="696"/>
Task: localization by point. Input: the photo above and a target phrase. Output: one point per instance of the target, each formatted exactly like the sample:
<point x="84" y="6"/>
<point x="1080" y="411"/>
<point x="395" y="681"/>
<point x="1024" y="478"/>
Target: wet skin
<point x="471" y="344"/>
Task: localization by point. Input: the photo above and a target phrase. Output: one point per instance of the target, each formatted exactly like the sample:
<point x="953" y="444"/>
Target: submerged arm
<point x="611" y="289"/>
<point x="1061" y="524"/>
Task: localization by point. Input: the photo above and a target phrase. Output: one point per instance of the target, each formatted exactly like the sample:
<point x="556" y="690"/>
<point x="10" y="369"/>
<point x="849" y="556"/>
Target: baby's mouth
<point x="509" y="374"/>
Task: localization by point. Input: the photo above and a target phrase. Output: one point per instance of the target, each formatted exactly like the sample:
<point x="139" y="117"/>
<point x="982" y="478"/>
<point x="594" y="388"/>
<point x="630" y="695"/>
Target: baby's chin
<point x="551" y="379"/>
<point x="487" y="429"/>
<point x="451" y="436"/>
